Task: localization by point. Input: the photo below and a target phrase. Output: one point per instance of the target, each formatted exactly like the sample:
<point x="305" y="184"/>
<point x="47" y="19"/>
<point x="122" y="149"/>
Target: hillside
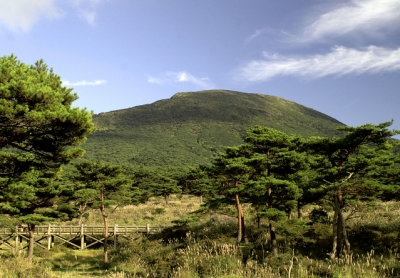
<point x="189" y="128"/>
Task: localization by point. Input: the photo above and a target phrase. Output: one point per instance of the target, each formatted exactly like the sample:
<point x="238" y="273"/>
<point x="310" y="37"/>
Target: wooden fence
<point x="80" y="237"/>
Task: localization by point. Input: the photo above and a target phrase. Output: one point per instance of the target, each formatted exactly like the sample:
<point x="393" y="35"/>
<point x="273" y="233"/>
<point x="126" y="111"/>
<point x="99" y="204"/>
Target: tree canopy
<point x="38" y="126"/>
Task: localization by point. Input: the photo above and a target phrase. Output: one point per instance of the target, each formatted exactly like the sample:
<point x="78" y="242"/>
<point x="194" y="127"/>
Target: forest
<point x="275" y="203"/>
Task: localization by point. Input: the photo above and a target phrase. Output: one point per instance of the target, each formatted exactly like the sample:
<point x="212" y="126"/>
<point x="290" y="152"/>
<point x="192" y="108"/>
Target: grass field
<point x="207" y="248"/>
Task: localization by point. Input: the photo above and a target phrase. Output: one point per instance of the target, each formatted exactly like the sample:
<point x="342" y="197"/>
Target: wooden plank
<point x="37" y="241"/>
<point x="4" y="241"/>
<point x="67" y="241"/>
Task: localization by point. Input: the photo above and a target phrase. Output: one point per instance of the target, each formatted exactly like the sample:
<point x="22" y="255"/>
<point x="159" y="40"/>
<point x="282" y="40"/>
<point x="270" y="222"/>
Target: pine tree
<point x="39" y="131"/>
<point x="275" y="186"/>
<point x="32" y="199"/>
<point x="102" y="186"/>
<point x="157" y="182"/>
<point x="198" y="181"/>
<point x="231" y="171"/>
<point x="345" y="170"/>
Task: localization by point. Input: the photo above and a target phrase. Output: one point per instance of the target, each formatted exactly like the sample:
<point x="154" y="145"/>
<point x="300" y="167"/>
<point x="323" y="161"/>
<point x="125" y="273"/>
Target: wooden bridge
<point x="79" y="237"/>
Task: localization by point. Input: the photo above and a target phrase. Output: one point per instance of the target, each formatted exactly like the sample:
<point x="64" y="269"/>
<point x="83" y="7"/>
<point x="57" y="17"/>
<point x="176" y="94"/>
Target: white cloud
<point x="18" y="15"/>
<point x="340" y="61"/>
<point x="368" y="16"/>
<point x="21" y="15"/>
<point x="83" y="83"/>
<point x="154" y="80"/>
<point x="181" y="77"/>
<point x="87" y="9"/>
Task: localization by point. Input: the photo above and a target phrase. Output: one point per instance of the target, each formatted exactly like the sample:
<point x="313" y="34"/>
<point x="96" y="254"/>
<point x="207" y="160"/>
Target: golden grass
<point x="213" y="254"/>
<point x="153" y="212"/>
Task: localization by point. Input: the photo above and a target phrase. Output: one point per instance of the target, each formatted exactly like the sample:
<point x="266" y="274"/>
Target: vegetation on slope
<point x="189" y="128"/>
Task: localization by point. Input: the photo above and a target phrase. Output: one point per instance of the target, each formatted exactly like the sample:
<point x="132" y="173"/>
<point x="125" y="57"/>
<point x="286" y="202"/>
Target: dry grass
<point x="209" y="251"/>
<point x="153" y="212"/>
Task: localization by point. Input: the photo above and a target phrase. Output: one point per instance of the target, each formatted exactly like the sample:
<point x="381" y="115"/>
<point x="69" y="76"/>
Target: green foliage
<point x="319" y="215"/>
<point x="280" y="168"/>
<point x="101" y="185"/>
<point x="38" y="126"/>
<point x="155" y="182"/>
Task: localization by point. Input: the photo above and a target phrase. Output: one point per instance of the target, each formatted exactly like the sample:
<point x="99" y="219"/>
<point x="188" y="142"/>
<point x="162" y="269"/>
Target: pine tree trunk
<point x="269" y="197"/>
<point x="31" y="231"/>
<point x="244" y="236"/>
<point x="240" y="220"/>
<point x="335" y="230"/>
<point x="299" y="209"/>
<point x="339" y="250"/>
<point x="105" y="240"/>
<point x="82" y="209"/>
<point x="339" y="230"/>
<point x="274" y="244"/>
<point x="289" y="214"/>
<point x="346" y="244"/>
<point x="105" y="221"/>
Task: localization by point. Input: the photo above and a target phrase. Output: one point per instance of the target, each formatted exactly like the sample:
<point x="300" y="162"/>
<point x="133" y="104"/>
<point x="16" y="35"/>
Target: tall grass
<point x="208" y="249"/>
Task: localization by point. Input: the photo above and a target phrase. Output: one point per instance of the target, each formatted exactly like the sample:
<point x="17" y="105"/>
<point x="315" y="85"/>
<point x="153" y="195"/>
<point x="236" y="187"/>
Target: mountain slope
<point x="189" y="128"/>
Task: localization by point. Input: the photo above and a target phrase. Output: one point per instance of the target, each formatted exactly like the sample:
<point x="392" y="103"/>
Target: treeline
<point x="278" y="175"/>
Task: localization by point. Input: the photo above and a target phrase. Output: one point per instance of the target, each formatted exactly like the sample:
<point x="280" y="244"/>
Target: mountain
<point x="189" y="128"/>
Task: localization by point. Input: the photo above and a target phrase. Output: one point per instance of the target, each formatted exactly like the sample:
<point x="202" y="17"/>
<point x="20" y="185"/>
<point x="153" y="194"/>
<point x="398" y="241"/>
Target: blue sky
<point x="340" y="57"/>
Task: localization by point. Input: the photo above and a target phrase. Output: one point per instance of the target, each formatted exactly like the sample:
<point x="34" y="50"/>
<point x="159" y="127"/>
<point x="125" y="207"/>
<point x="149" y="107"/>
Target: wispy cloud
<point x="155" y="80"/>
<point x="340" y="61"/>
<point x="256" y="33"/>
<point x="367" y="16"/>
<point x="181" y="77"/>
<point x="87" y="9"/>
<point x="84" y="83"/>
<point x="260" y="32"/>
<point x="21" y="15"/>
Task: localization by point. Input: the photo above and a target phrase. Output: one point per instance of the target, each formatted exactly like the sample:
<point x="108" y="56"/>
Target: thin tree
<point x="112" y="188"/>
<point x="231" y="171"/>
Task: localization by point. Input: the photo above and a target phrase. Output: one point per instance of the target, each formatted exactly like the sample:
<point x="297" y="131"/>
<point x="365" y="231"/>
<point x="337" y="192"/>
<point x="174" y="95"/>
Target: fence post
<point x="115" y="235"/>
<point x="82" y="237"/>
<point x="49" y="238"/>
<point x="16" y="239"/>
<point x="147" y="229"/>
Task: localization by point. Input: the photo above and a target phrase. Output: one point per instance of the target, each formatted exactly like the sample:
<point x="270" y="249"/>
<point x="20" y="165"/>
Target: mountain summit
<point x="189" y="128"/>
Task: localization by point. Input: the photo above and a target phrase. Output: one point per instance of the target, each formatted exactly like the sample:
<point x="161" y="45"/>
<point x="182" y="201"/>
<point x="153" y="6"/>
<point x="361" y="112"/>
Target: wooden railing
<point x="12" y="238"/>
